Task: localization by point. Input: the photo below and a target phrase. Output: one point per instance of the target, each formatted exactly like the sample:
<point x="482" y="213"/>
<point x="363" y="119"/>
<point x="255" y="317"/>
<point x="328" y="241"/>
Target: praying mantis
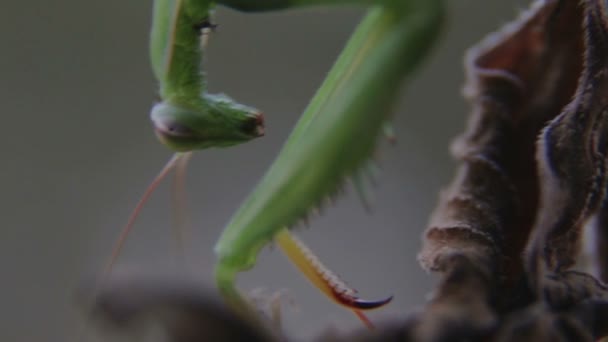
<point x="332" y="142"/>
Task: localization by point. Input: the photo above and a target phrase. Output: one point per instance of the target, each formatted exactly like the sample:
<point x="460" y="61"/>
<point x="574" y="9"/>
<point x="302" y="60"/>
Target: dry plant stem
<point x="572" y="153"/>
<point x="572" y="157"/>
<point x="517" y="80"/>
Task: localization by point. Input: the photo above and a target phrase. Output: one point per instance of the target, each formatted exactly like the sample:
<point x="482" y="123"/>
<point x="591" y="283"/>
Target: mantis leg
<point x="336" y="134"/>
<point x="324" y="279"/>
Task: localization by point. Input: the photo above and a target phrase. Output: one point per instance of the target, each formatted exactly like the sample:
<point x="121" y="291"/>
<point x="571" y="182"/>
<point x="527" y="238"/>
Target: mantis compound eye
<point x="170" y="129"/>
<point x="174" y="129"/>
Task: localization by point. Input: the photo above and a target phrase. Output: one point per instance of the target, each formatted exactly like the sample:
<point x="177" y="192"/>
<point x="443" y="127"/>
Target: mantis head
<point x="220" y="122"/>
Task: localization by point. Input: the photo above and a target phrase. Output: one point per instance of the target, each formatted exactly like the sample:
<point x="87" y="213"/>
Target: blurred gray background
<point x="77" y="151"/>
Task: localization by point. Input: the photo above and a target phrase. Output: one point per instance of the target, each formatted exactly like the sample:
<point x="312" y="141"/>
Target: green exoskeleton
<point x="332" y="141"/>
<point x="188" y="118"/>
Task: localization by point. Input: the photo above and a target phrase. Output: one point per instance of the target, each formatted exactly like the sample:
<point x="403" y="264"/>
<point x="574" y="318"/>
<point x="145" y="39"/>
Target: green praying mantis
<point x="332" y="142"/>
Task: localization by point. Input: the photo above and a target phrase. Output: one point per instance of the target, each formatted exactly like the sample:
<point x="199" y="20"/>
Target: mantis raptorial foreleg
<point x="333" y="139"/>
